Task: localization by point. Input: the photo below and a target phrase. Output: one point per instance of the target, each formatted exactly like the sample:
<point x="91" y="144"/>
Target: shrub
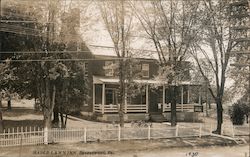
<point x="237" y="113"/>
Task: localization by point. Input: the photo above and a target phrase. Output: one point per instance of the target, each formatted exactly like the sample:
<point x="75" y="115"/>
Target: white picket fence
<point x="44" y="136"/>
<point x="22" y="136"/>
<point x="38" y="136"/>
<point x="235" y="130"/>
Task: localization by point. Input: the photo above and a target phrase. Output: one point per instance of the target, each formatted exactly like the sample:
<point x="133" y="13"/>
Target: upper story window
<point x="145" y="70"/>
<point x="86" y="69"/>
<point x="109" y="68"/>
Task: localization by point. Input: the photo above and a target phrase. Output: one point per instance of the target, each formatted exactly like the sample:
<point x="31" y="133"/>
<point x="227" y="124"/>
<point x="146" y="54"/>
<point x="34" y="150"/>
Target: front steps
<point x="157" y="117"/>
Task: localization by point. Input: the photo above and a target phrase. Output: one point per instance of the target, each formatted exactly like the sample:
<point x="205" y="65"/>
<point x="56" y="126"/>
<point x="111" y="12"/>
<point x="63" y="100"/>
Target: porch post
<point x="182" y="98"/>
<point x="147" y="98"/>
<point x="93" y="96"/>
<point x="103" y="97"/>
<point x="199" y="95"/>
<point x="125" y="102"/>
<point x="163" y="98"/>
<point x="188" y="94"/>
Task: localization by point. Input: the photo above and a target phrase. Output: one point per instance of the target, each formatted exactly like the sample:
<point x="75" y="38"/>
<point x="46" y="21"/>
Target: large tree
<point x="214" y="46"/>
<point x="118" y="19"/>
<point x="43" y="60"/>
<point x="169" y="25"/>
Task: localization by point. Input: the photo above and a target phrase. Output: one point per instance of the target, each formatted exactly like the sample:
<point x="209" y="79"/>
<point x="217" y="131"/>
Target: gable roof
<point x="108" y="51"/>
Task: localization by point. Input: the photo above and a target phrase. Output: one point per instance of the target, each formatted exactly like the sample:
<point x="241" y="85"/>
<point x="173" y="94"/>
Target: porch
<point x="148" y="100"/>
<point x="134" y="108"/>
<point x="106" y="101"/>
<point x="142" y="108"/>
<point x="183" y="107"/>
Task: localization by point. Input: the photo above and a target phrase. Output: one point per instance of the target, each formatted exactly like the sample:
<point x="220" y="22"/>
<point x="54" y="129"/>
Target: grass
<point x="9" y="124"/>
<point x="22" y="114"/>
<point x="18" y="111"/>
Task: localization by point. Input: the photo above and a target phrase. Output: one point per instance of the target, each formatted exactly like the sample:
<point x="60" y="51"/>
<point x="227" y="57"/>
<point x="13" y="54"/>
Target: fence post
<point x="4" y="134"/>
<point x="233" y="131"/>
<point x="211" y="129"/>
<point x="85" y="135"/>
<point x="200" y="132"/>
<point x="176" y="130"/>
<point x="45" y="135"/>
<point x="119" y="133"/>
<point x="222" y="129"/>
<point x="21" y="144"/>
<point x="149" y="132"/>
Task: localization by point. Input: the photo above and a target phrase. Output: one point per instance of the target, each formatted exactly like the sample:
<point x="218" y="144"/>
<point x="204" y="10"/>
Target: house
<point x="152" y="96"/>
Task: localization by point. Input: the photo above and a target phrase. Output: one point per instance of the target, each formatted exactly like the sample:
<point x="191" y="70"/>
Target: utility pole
<point x="122" y="67"/>
<point x="0" y="28"/>
<point x="49" y="96"/>
<point x="1" y="36"/>
<point x="207" y="115"/>
<point x="1" y="114"/>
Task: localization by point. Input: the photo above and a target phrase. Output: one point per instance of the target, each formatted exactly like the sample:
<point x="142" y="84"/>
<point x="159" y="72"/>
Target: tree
<point x="169" y="25"/>
<point x="118" y="20"/>
<point x="215" y="47"/>
<point x="1" y="113"/>
<point x="43" y="80"/>
<point x="238" y="112"/>
<point x="14" y="38"/>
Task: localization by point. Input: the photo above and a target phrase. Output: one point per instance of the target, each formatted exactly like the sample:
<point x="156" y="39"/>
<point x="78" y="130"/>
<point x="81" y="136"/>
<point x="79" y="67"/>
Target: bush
<point x="237" y="113"/>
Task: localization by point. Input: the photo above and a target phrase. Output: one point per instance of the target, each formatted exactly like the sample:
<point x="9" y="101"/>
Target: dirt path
<point x="236" y="151"/>
<point x="124" y="148"/>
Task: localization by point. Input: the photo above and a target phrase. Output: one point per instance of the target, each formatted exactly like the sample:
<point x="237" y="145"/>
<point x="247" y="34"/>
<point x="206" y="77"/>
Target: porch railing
<point x="130" y="108"/>
<point x="181" y="107"/>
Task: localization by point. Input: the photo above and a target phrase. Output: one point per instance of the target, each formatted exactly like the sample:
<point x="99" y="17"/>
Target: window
<point x="86" y="69"/>
<point x="109" y="68"/>
<point x="145" y="70"/>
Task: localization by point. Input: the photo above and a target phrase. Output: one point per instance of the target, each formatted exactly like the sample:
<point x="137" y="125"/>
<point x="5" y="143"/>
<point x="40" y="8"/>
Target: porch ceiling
<point x="108" y="80"/>
<point x="100" y="80"/>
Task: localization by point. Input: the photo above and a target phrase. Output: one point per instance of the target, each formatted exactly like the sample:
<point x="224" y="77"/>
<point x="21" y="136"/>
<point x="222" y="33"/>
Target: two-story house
<point x="149" y="97"/>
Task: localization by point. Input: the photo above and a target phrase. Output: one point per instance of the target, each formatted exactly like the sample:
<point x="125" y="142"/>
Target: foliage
<point x="118" y="22"/>
<point x="42" y="80"/>
<point x="170" y="26"/>
<point x="213" y="48"/>
<point x="238" y="112"/>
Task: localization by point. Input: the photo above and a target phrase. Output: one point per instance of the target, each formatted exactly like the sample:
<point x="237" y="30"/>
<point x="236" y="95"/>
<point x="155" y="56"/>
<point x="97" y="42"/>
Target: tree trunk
<point x="1" y="114"/>
<point x="209" y="103"/>
<point x="219" y="116"/>
<point x="66" y="118"/>
<point x="55" y="118"/>
<point x="122" y="92"/>
<point x="47" y="109"/>
<point x="173" y="106"/>
<point x="62" y="120"/>
<point x="47" y="122"/>
<point x="1" y="105"/>
<point x="1" y="121"/>
<point x="9" y="103"/>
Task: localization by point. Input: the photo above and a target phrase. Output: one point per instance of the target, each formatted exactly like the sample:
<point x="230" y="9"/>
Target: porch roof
<point x="113" y="80"/>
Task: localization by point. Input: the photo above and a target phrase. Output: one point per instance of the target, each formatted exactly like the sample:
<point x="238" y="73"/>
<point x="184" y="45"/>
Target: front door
<point x="155" y="100"/>
<point x="110" y="96"/>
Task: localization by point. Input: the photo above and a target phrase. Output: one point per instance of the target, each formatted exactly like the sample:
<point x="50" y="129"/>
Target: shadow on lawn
<point x="19" y="111"/>
<point x="12" y="120"/>
<point x="9" y="124"/>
